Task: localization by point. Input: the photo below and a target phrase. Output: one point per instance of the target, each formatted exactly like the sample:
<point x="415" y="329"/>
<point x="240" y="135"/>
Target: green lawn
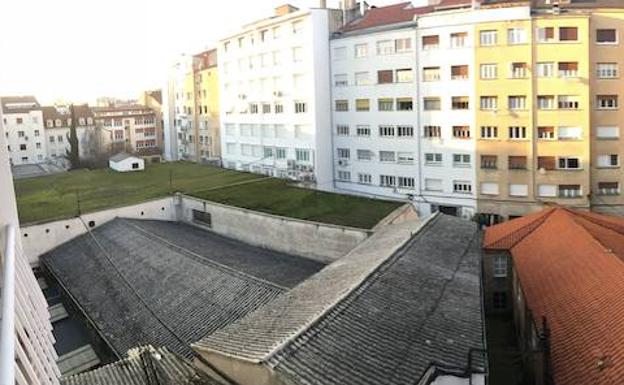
<point x="56" y="196"/>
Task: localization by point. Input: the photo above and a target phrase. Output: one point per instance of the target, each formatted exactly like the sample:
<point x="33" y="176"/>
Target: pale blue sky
<point x="81" y="49"/>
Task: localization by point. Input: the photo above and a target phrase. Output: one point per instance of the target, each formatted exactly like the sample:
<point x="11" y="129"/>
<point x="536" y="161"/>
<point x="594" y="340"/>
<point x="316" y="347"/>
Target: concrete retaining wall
<point x="38" y="239"/>
<point x="319" y="241"/>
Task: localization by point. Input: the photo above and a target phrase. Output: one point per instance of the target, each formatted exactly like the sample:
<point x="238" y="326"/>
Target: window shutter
<point x="384" y="76"/>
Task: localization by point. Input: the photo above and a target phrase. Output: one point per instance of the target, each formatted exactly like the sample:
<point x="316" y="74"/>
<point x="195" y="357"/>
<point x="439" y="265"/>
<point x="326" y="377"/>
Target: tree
<point x="73" y="153"/>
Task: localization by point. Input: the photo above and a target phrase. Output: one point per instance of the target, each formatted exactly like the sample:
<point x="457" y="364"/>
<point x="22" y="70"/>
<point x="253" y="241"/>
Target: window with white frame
<point x="302" y="155"/>
<point x="342" y="130"/>
<point x="458" y="39"/>
<point x="488" y="71"/>
<point x="387" y="180"/>
<point x="518" y="70"/>
<point x="499" y="266"/>
<point x="488" y="38"/>
<point x="432" y="131"/>
<point x="405" y="157"/>
<point x="430" y="42"/>
<point x="609" y="188"/>
<point x="461" y="160"/>
<point x="385" y="47"/>
<point x="341" y="80"/>
<point x="433" y="159"/>
<point x="546" y="102"/>
<point x="403" y="45"/>
<point x="405" y="131"/>
<point x="517" y="132"/>
<point x="343" y="153"/>
<point x="365" y="178"/>
<point x="518" y="190"/>
<point x="462" y="187"/>
<point x="489" y="188"/>
<point x="344" y="176"/>
<point x="545" y="69"/>
<point x="546" y="132"/>
<point x="280" y="153"/>
<point x="569" y="133"/>
<point x="608" y="161"/>
<point x="516" y="36"/>
<point x="607" y="102"/>
<point x="362" y="130"/>
<point x="547" y="190"/>
<point x="404" y="75"/>
<point x="387" y="156"/>
<point x="361" y="50"/>
<point x="386" y="131"/>
<point x="489" y="103"/>
<point x="431" y="103"/>
<point x="340" y="53"/>
<point x="385" y="104"/>
<point x="607" y="132"/>
<point x="362" y="79"/>
<point x="364" y="155"/>
<point x="269" y="152"/>
<point x="569" y="190"/>
<point x="569" y="163"/>
<point x="406" y="182"/>
<point x="568" y="102"/>
<point x="568" y="69"/>
<point x="431" y="74"/>
<point x="489" y="132"/>
<point x="545" y="34"/>
<point x="607" y="70"/>
<point x="433" y="184"/>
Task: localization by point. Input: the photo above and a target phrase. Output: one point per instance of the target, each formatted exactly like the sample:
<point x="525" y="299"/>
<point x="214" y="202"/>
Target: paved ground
<point x="35" y="170"/>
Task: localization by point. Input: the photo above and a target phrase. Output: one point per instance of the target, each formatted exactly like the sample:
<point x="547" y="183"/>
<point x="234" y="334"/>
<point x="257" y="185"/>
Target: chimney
<point x="285" y="10"/>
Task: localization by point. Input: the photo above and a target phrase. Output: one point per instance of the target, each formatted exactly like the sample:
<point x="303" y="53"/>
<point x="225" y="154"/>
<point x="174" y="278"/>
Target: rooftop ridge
<point x="511" y="239"/>
<point x="201" y="259"/>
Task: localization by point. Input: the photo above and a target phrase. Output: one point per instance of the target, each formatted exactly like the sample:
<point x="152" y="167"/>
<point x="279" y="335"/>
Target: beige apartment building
<point x="130" y="129"/>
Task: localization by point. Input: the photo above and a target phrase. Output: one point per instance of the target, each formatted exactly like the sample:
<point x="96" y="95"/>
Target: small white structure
<point x="123" y="162"/>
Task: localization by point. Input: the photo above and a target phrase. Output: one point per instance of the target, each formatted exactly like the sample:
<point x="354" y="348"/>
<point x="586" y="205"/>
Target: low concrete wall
<point x="318" y="241"/>
<point x="38" y="239"/>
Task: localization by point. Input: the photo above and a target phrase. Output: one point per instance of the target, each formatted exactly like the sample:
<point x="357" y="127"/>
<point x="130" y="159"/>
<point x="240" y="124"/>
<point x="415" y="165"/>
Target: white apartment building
<point x="374" y="111"/>
<point x="24" y="134"/>
<point x="27" y="354"/>
<point x="275" y="95"/>
<point x="58" y="120"/>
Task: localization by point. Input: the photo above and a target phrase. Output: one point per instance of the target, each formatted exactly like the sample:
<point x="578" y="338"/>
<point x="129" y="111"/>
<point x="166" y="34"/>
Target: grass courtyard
<point x="58" y="196"/>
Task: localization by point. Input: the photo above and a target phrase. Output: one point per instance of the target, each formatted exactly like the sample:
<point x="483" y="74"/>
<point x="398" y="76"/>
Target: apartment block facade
<point x="24" y="132"/>
<point x="58" y="122"/>
<point x="276" y="96"/>
<point x="131" y="128"/>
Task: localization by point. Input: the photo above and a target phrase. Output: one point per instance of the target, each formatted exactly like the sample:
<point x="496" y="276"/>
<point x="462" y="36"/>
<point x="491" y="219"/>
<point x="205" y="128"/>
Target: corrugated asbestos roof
<point x="571" y="269"/>
<point x="167" y="294"/>
<point x="418" y="308"/>
<point x="144" y="366"/>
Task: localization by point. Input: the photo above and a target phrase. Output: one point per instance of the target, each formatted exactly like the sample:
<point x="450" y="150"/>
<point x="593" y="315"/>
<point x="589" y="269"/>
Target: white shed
<point x="123" y="162"/>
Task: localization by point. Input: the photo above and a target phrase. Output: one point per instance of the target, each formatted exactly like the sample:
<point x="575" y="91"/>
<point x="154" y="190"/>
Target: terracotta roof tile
<point x="571" y="271"/>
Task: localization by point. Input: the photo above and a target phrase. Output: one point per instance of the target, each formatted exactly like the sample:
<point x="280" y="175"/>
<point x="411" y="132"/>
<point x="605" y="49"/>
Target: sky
<point x="77" y="50"/>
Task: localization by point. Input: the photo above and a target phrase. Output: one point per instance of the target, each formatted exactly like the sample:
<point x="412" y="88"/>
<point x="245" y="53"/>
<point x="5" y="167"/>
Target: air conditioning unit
<point x="343" y="162"/>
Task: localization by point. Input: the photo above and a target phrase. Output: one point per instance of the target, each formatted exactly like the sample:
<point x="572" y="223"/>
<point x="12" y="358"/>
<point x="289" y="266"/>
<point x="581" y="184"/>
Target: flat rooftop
<point x="168" y="284"/>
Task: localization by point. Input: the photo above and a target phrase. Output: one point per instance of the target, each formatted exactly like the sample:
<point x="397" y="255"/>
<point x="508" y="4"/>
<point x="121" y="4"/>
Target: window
<point x="362" y="130"/>
<point x="488" y="71"/>
<point x="517" y="132"/>
<point x="459" y="72"/>
<point x="546" y="102"/>
<point x="458" y="39"/>
<point x="432" y="131"/>
<point x="607" y="102"/>
<point x="340" y="80"/>
<point x="489" y="188"/>
<point x="518" y="70"/>
<point x="362" y="104"/>
<point x="38" y="145"/>
<point x="608" y="188"/>
<point x="461" y="160"/>
<point x="340" y="53"/>
<point x="546" y="132"/>
<point x="384" y="77"/>
<point x="22" y="147"/>
<point x="362" y="79"/>
<point x="569" y="133"/>
<point x="385" y="104"/>
<point x="19" y="120"/>
<point x="343" y="153"/>
<point x="606" y="36"/>
<point x="37" y="133"/>
<point x="361" y="50"/>
<point x="342" y="130"/>
<point x="488" y="38"/>
<point x="266" y="108"/>
<point x="547" y="190"/>
<point x="545" y="69"/>
<point x="546" y="162"/>
<point x="278" y="108"/>
<point x="385" y="47"/>
<point x="568" y="33"/>
<point x="461" y="132"/>
<point x="403" y="45"/>
<point x="489" y="132"/>
<point x="568" y="102"/>
<point x="489" y="162"/>
<point x="460" y="103"/>
<point x="499" y="300"/>
<point x="433" y="159"/>
<point x="302" y="155"/>
<point x="405" y="157"/>
<point x="433" y="184"/>
<point x="253" y="108"/>
<point x="404" y="75"/>
<point x="405" y="131"/>
<point x="344" y="176"/>
<point x="569" y="163"/>
<point x="516" y="36"/>
<point x="365" y="178"/>
<point x="568" y="69"/>
<point x="516" y="102"/>
<point x="387" y="180"/>
<point x="406" y="182"/>
<point x="431" y="74"/>
<point x="431" y="104"/>
<point x="404" y="104"/>
<point x="517" y="162"/>
<point x="607" y="70"/>
<point x="280" y="153"/>
<point x="59" y="138"/>
<point x="385" y="131"/>
<point x="569" y="191"/>
<point x="21" y="134"/>
<point x="268" y="152"/>
<point x="518" y="190"/>
<point x="545" y="34"/>
<point x="607" y="132"/>
<point x="300" y="107"/>
<point x="430" y="42"/>
<point x="608" y="161"/>
<point x="364" y="155"/>
<point x="462" y="187"/>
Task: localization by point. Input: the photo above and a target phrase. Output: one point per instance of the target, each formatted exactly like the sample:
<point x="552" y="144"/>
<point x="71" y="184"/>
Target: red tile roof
<point x="398" y="13"/>
<point x="571" y="268"/>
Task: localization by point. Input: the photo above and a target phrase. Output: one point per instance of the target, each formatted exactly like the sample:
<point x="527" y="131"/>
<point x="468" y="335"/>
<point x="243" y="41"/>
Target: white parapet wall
<point x="314" y="240"/>
<point x="38" y="239"/>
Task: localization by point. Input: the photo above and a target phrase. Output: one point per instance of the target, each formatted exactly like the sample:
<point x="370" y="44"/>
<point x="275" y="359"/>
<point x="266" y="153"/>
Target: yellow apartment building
<point x="532" y="118"/>
<point x="206" y="98"/>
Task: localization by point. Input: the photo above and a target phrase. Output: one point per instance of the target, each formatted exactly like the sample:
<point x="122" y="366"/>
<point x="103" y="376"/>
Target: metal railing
<point x="7" y="327"/>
